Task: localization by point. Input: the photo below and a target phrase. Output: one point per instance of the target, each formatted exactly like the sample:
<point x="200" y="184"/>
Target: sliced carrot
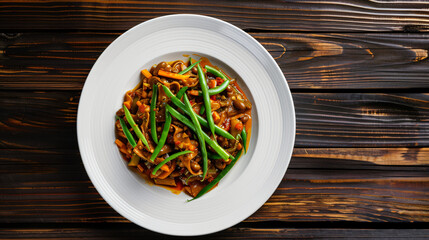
<point x="139" y="103"/>
<point x="144" y="108"/>
<point x="216" y="117"/>
<point x="172" y="75"/>
<point x="193" y="92"/>
<point x="128" y="99"/>
<point x="124" y="151"/>
<point x="127" y="104"/>
<point x="239" y="126"/>
<point x="119" y="143"/>
<point x="212" y="84"/>
<point x="191" y="147"/>
<point x="165" y="168"/>
<point x="165" y="174"/>
<point x="146" y="73"/>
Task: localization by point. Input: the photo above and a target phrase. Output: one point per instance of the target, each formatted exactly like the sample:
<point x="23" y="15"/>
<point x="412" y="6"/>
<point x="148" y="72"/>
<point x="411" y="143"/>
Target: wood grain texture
<point x="130" y="231"/>
<point x="309" y="15"/>
<point x="361" y="158"/>
<point x="60" y="61"/>
<point x="351" y="61"/>
<point x="364" y="157"/>
<point x="323" y="119"/>
<point x="49" y="117"/>
<point x="320" y="185"/>
<point x="361" y="120"/>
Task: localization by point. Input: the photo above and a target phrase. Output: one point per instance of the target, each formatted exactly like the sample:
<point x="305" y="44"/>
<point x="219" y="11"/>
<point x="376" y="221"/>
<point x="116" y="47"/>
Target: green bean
<point x="224" y="154"/>
<point x="199" y="133"/>
<point x="244" y="138"/>
<point x="153" y="113"/>
<point x="216" y="90"/>
<point x="213" y="156"/>
<point x="206" y="98"/>
<point x="218" y="178"/>
<point x="202" y="121"/>
<point x="163" y="137"/>
<point x="190" y="67"/>
<point x="216" y="72"/>
<point x="220" y="88"/>
<point x="181" y="92"/>
<point x="127" y="132"/>
<point x="135" y="127"/>
<point x="169" y="159"/>
<point x="202" y="109"/>
<point x="135" y="159"/>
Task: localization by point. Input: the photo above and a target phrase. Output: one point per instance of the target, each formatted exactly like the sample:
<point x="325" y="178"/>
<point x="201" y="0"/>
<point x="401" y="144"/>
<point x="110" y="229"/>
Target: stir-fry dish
<point x="184" y="125"/>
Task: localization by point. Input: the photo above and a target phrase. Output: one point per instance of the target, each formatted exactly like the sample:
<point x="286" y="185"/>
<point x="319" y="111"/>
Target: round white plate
<point x="250" y="182"/>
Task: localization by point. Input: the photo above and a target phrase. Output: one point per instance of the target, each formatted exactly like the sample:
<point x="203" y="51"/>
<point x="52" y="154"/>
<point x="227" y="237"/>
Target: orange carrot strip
<point x="239" y="126"/>
<point x="191" y="147"/>
<point x="127" y="104"/>
<point x="124" y="151"/>
<point x="212" y="84"/>
<point x="165" y="168"/>
<point x="128" y="100"/>
<point x="172" y="75"/>
<point x="165" y="174"/>
<point x="216" y="117"/>
<point x="119" y="143"/>
<point x="194" y="92"/>
<point x="146" y="73"/>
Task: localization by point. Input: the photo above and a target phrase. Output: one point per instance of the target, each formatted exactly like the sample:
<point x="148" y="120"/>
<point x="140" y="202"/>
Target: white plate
<point x="250" y="182"/>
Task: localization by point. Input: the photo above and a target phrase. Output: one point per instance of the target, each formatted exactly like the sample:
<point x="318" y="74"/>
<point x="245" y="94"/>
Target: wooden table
<point x="359" y="74"/>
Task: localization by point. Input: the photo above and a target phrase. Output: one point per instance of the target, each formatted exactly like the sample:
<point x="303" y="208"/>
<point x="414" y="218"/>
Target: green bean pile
<point x="184" y="125"/>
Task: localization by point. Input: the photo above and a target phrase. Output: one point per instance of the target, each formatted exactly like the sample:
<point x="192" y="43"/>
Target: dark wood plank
<point x="49" y="117"/>
<point x="323" y="119"/>
<point x="130" y="231"/>
<point x="327" y="16"/>
<point x="364" y="158"/>
<point x="59" y="61"/>
<point x="361" y="120"/>
<point x="351" y="61"/>
<point x="358" y="185"/>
